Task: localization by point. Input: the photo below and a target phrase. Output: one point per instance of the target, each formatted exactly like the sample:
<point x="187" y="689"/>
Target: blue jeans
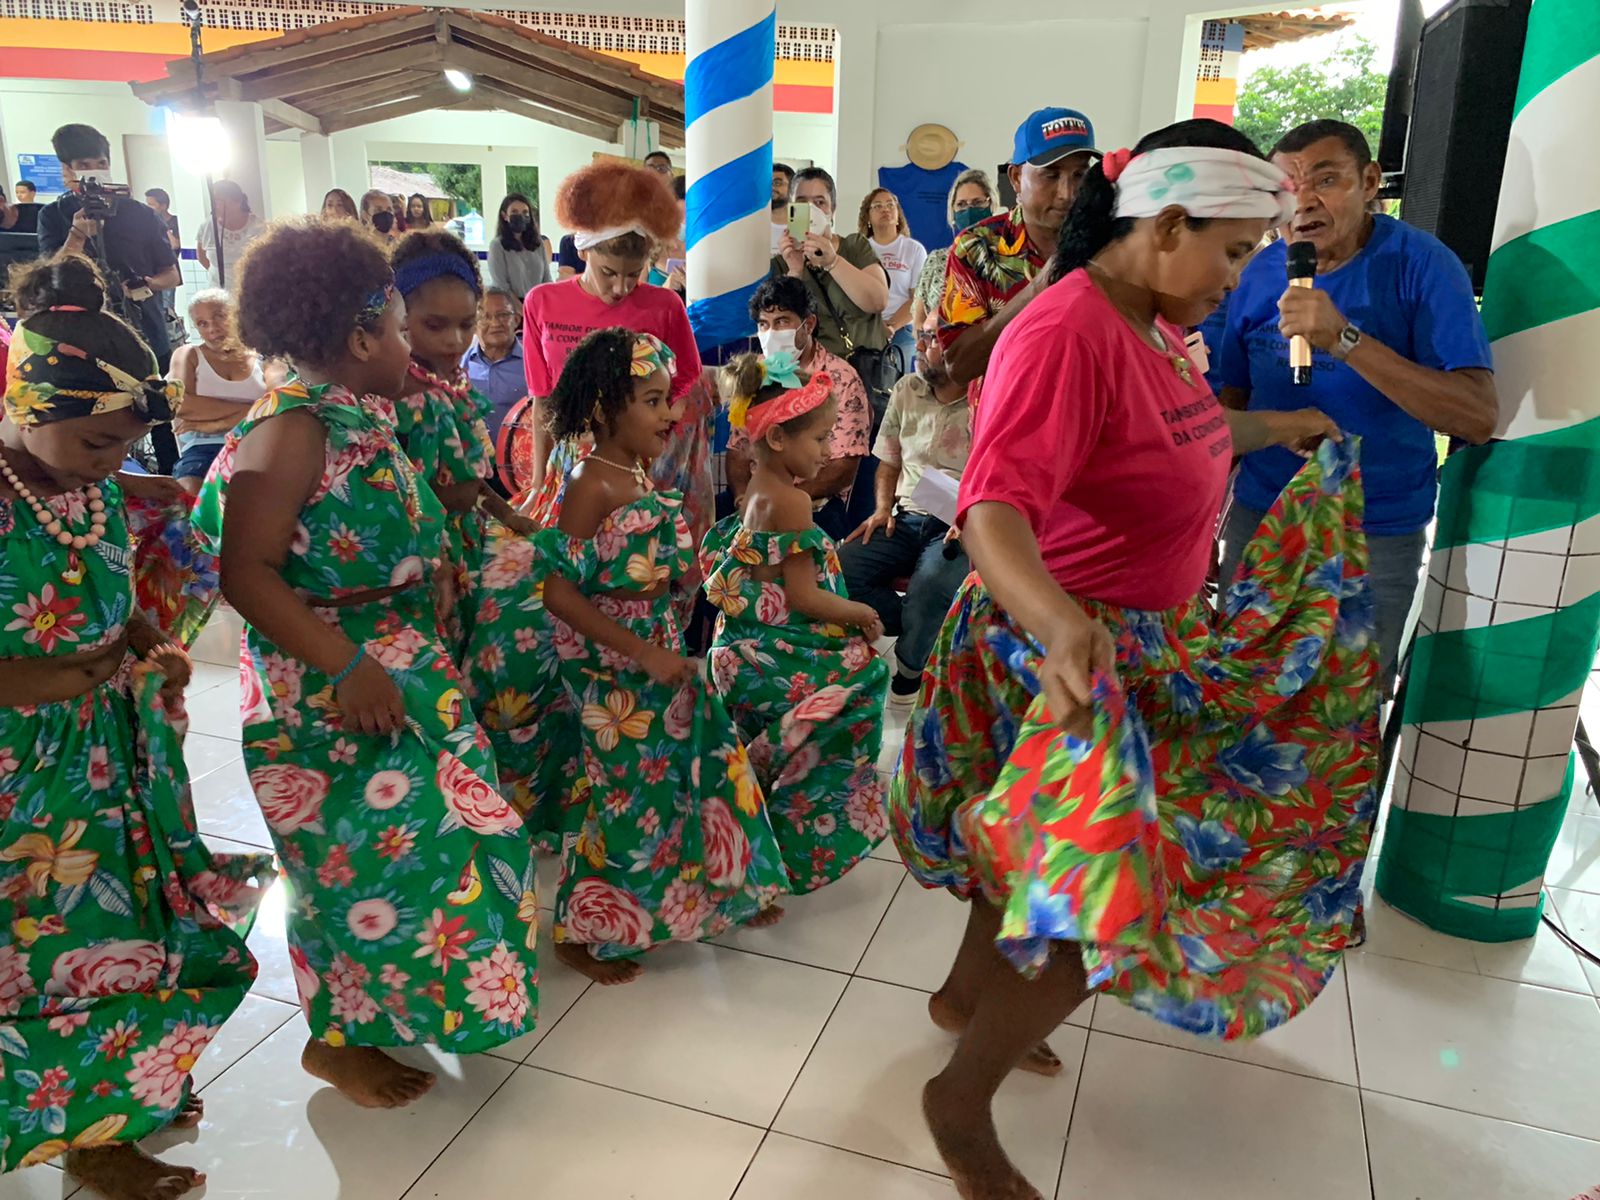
<point x="1395" y="566"/>
<point x="916" y="549"/>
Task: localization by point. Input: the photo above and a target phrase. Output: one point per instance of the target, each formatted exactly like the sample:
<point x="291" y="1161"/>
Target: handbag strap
<point x="822" y="287"/>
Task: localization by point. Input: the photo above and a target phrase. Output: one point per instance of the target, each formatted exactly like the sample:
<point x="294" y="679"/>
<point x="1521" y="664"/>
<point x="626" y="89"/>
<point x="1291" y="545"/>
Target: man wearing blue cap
<point x="997" y="266"/>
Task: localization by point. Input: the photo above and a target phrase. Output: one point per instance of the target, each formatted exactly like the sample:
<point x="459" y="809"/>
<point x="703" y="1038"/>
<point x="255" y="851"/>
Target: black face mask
<point x="383" y="221"/>
<point x="518" y="223"/>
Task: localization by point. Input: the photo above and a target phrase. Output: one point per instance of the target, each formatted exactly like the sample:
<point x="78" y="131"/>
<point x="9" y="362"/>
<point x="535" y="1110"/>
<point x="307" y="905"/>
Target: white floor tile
<point x="218" y="642"/>
<point x="1315" y="1043"/>
<point x="267" y="1105"/>
<point x="46" y="1182"/>
<point x="1575" y="861"/>
<point x="704" y="1027"/>
<point x="886" y="850"/>
<point x="559" y="989"/>
<point x="215" y="711"/>
<point x="269" y="943"/>
<point x="1422" y="1152"/>
<point x="861" y="1089"/>
<point x="204" y="754"/>
<point x="1543" y="959"/>
<point x="546" y="1136"/>
<point x="225" y="806"/>
<point x="787" y="1168"/>
<point x="547" y="872"/>
<point x="257" y="1019"/>
<point x="831" y="927"/>
<point x="917" y="943"/>
<point x="1579" y="914"/>
<point x="1482" y="1045"/>
<point x="204" y="676"/>
<point x="1393" y="934"/>
<point x="1153" y="1121"/>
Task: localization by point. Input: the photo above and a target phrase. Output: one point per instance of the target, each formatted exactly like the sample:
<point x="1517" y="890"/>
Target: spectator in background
<point x="843" y="275"/>
<point x="972" y="199"/>
<point x="1400" y="354"/>
<point x="337" y="205"/>
<point x="784" y="311"/>
<point x="668" y="267"/>
<point x="660" y="162"/>
<point x="221" y="379"/>
<point x="397" y="205"/>
<point x="883" y="223"/>
<point x="569" y="262"/>
<point x="494" y="360"/>
<point x="782" y="181"/>
<point x="417" y="214"/>
<point x="21" y="216"/>
<point x="378" y="214"/>
<point x="996" y="267"/>
<point x="928" y="427"/>
<point x="161" y="204"/>
<point x="131" y="239"/>
<point x="239" y="226"/>
<point x="517" y="259"/>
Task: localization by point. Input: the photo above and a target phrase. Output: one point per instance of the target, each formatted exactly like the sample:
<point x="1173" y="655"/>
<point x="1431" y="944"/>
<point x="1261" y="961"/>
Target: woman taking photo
<point x="883" y="224"/>
<point x="843" y="274"/>
<point x="1194" y="845"/>
<point x="517" y="258"/>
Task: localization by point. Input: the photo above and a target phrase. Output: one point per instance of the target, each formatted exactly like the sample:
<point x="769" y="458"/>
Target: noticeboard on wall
<point x="43" y="171"/>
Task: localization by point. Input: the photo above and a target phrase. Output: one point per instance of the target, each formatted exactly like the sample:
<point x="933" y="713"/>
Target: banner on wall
<point x="43" y="171"/>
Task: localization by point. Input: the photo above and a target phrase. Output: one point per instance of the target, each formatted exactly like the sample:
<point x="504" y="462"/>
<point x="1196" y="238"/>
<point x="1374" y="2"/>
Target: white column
<point x="316" y="167"/>
<point x="855" y="83"/>
<point x="247" y="151"/>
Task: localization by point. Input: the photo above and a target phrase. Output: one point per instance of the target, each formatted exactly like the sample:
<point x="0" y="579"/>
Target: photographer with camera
<point x="100" y="220"/>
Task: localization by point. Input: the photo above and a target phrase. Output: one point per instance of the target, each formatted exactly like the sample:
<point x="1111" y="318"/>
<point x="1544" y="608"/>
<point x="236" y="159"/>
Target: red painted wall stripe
<point x="114" y="65"/>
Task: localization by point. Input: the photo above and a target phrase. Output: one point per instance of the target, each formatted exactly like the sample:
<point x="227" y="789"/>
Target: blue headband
<point x="422" y="270"/>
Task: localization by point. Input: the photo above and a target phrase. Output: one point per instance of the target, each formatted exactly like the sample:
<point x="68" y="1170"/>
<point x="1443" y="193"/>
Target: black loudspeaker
<point x="1466" y="85"/>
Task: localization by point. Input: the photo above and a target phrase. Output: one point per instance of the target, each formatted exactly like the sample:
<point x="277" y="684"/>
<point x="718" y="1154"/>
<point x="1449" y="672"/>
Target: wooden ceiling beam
<point x="615" y="78"/>
<point x="518" y="106"/>
<point x="438" y="97"/>
<point x="324" y="101"/>
<point x="273" y="84"/>
<point x="533" y="84"/>
<point x="288" y="115"/>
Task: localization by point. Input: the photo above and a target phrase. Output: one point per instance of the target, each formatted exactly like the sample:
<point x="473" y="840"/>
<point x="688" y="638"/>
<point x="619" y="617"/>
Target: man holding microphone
<point x="1398" y="354"/>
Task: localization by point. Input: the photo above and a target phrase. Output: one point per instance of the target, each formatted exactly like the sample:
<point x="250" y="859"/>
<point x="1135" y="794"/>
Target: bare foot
<point x="365" y="1074"/>
<point x="125" y="1172"/>
<point x="971" y="1149"/>
<point x="190" y="1114"/>
<point x="1041" y="1060"/>
<point x="606" y="972"/>
<point x="766" y="918"/>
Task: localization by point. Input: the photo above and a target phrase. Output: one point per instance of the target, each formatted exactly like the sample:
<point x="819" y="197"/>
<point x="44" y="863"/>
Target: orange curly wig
<point x="615" y="196"/>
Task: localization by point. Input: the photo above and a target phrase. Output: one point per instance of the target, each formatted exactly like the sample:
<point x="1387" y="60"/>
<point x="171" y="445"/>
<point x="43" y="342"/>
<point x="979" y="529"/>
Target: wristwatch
<point x="1349" y="339"/>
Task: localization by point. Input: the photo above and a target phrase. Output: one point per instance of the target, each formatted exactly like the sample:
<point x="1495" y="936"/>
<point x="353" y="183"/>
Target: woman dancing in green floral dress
<point x="411" y="893"/>
<point x="666" y="836"/>
<point x="793" y="654"/>
<point x="118" y="968"/>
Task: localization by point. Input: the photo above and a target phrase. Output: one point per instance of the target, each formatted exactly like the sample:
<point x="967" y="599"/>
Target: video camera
<point x="100" y="195"/>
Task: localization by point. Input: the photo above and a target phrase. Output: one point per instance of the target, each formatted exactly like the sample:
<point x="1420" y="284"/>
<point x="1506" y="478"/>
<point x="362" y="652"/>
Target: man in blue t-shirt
<point x="1399" y="354"/>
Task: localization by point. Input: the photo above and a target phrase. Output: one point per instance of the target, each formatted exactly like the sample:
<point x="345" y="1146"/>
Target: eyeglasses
<point x="883" y="206"/>
<point x="980" y="202"/>
<point x="925" y="336"/>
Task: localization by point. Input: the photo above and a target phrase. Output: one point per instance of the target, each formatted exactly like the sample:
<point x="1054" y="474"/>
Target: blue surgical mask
<point x="966" y="218"/>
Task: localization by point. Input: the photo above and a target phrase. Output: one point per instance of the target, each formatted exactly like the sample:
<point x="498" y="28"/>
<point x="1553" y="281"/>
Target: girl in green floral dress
<point x="793" y="654"/>
<point x="665" y="834"/>
<point x="440" y="418"/>
<point x="411" y="892"/>
<point x="119" y="965"/>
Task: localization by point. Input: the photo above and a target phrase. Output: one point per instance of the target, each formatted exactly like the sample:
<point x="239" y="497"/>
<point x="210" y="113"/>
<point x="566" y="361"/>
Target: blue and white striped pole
<point x="727" y="90"/>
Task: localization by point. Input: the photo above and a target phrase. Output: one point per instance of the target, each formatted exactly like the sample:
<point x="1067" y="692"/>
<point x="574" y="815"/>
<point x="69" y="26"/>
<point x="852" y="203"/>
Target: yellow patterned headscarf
<point x="651" y="354"/>
<point x="49" y="380"/>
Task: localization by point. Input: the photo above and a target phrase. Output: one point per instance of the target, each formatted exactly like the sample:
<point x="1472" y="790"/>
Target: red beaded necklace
<point x="458" y="389"/>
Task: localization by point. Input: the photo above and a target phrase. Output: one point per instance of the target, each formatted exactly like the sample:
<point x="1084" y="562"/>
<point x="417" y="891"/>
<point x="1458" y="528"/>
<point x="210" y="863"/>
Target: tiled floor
<point x="785" y="1065"/>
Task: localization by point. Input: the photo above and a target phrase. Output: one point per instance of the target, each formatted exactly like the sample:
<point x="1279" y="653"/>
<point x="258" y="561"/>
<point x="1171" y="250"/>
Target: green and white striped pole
<point x="1511" y="608"/>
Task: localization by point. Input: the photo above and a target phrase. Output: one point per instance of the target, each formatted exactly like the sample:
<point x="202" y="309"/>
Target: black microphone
<point x="1302" y="270"/>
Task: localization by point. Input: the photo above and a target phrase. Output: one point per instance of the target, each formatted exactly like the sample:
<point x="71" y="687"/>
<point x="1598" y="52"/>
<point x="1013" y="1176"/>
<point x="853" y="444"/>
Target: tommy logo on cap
<point x="1065" y="127"/>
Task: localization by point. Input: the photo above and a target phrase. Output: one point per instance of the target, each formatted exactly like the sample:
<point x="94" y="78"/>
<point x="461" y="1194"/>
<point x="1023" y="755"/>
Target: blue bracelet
<point x="361" y="652"/>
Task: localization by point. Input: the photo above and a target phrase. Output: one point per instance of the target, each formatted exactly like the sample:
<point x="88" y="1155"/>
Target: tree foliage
<point x="1344" y="87"/>
<point x="524" y="180"/>
<point x="462" y="182"/>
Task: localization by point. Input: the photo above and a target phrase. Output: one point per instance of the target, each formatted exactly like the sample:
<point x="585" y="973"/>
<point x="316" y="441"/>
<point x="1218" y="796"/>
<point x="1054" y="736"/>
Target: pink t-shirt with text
<point x="557" y="316"/>
<point x="1117" y="463"/>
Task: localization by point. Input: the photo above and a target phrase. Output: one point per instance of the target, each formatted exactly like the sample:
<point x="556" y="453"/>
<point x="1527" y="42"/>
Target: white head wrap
<point x="588" y="239"/>
<point x="1201" y="180"/>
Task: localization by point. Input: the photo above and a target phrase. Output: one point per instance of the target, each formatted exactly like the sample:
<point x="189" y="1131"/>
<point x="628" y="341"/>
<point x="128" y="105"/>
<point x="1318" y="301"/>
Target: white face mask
<point x="774" y="340"/>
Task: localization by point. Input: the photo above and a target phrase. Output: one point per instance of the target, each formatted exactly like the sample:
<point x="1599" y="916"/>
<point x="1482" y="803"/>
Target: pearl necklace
<point x="459" y="390"/>
<point x="53" y="524"/>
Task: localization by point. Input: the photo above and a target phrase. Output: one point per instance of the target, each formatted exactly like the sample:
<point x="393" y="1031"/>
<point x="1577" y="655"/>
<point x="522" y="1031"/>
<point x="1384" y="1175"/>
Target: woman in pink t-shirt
<point x="1193" y="843"/>
<point x="617" y="213"/>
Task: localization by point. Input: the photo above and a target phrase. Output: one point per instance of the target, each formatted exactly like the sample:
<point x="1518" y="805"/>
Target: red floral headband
<point x="794" y="403"/>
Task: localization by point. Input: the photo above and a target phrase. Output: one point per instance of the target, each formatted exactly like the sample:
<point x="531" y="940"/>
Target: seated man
<point x="786" y="319"/>
<point x="926" y="428"/>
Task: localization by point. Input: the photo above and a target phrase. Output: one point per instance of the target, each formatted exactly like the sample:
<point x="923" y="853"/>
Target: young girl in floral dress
<point x="411" y="893"/>
<point x="666" y="836"/>
<point x="439" y="417"/>
<point x="117" y="969"/>
<point x="793" y="654"/>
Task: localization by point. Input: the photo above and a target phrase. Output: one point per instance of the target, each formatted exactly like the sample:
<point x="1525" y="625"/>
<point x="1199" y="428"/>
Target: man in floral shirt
<point x="786" y="319"/>
<point x="999" y="265"/>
